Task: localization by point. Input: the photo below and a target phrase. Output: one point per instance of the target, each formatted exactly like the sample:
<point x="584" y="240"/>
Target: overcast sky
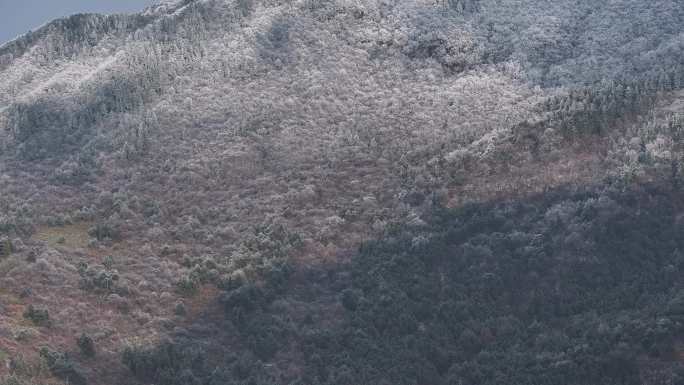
<point x="20" y="16"/>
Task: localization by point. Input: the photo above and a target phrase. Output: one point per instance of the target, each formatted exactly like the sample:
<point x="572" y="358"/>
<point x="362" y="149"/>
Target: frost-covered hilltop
<point x="345" y="192"/>
<point x="165" y="7"/>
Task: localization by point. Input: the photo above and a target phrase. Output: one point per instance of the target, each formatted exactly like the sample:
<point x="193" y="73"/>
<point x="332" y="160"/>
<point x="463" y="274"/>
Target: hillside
<point x="345" y="192"/>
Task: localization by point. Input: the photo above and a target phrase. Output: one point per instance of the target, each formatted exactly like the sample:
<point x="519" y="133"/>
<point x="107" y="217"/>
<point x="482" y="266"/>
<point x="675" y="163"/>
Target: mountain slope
<point x="206" y="171"/>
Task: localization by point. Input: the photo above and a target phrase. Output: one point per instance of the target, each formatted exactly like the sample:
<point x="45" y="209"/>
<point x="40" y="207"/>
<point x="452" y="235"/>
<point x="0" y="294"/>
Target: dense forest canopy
<point x="345" y="192"/>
